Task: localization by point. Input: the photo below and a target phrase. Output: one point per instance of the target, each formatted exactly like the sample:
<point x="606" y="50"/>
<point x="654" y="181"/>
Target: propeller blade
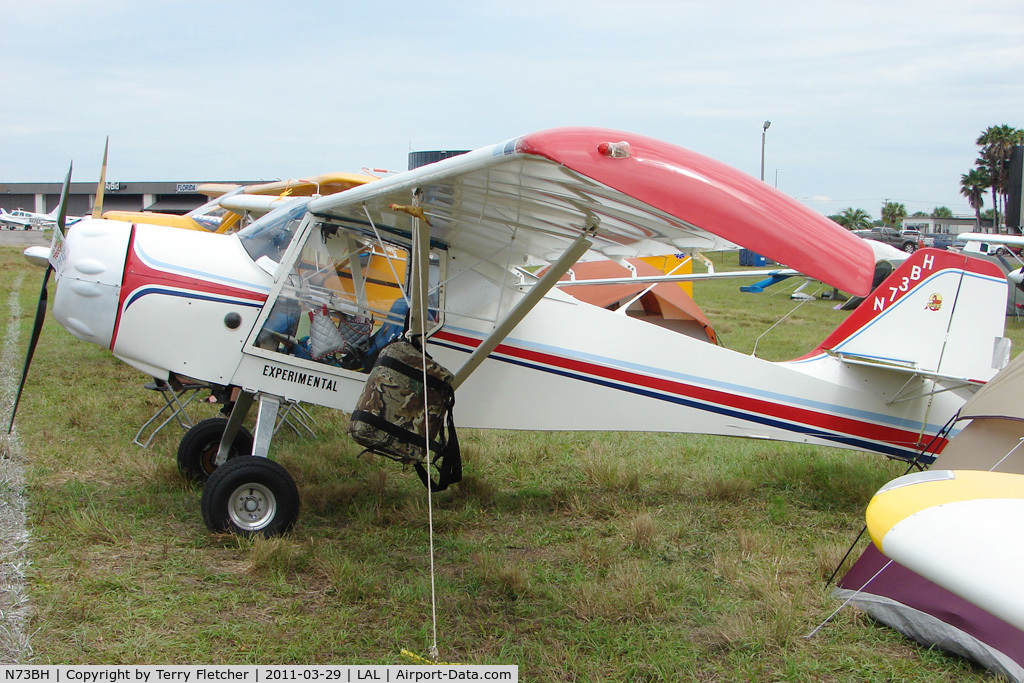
<point x="97" y="209"/>
<point x="37" y="327"/>
<point x="62" y="215"/>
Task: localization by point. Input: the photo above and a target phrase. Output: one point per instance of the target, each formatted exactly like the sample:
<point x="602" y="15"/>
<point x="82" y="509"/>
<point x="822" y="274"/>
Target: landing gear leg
<point x="234" y="424"/>
<point x="250" y="495"/>
<point x="266" y="418"/>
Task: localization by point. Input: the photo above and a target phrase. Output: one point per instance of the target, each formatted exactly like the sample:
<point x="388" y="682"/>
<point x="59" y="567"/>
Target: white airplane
<point x="36" y="220"/>
<point x="19" y="219"/>
<point x="442" y="254"/>
<point x="984" y="243"/>
<point x="981" y="242"/>
<point x="231" y="205"/>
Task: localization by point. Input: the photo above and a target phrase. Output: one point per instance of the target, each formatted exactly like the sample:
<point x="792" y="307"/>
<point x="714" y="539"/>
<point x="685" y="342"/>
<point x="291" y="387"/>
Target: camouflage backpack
<point x="389" y="417"/>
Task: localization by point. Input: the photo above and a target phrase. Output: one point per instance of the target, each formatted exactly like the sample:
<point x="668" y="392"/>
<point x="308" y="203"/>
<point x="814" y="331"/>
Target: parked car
<point x="889" y="236"/>
<point x="938" y="240"/>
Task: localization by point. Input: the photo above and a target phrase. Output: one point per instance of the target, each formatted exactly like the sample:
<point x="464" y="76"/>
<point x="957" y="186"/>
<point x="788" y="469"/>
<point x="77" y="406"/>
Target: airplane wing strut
<point x="682" y="277"/>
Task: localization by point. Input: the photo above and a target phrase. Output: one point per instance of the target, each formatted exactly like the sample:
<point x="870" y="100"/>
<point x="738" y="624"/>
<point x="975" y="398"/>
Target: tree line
<point x="991" y="174"/>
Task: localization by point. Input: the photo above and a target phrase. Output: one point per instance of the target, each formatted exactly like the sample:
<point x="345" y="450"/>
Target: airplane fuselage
<point x="197" y="305"/>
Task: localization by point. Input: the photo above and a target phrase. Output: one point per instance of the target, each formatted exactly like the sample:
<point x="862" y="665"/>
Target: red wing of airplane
<point x="526" y="200"/>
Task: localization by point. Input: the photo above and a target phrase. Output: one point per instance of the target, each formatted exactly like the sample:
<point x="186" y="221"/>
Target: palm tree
<point x="997" y="143"/>
<point x="853" y="219"/>
<point x="973" y="185"/>
<point x="893" y="214"/>
<point x="942" y="212"/>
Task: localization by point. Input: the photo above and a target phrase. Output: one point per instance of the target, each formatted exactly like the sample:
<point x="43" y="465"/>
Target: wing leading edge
<point x="526" y="200"/>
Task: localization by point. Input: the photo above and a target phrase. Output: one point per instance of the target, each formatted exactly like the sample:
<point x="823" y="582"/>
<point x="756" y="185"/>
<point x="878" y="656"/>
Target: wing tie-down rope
<point x="419" y="285"/>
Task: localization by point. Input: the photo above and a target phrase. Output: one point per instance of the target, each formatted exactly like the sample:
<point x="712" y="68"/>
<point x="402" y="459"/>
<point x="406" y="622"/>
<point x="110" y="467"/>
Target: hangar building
<point x="163" y="197"/>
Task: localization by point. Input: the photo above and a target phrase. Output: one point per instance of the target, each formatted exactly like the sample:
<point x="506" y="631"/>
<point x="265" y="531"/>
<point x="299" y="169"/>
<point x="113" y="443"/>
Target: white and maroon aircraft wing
<point x="527" y="200"/>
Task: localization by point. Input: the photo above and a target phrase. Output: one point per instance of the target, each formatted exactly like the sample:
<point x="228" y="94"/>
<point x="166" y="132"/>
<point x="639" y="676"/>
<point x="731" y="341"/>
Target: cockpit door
<point x="339" y="296"/>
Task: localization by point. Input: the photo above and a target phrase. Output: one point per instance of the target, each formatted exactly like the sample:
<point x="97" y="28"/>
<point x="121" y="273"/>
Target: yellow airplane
<point x="229" y="203"/>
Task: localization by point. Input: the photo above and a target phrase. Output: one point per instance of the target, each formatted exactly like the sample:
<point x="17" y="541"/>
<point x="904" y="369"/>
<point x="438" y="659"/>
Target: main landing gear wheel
<point x="197" y="452"/>
<point x="250" y="496"/>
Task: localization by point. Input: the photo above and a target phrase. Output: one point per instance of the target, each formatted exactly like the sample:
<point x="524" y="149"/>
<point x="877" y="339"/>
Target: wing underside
<point x="525" y="201"/>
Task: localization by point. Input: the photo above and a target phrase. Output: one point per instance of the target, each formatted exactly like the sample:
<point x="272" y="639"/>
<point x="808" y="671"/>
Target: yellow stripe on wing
<point x="909" y="495"/>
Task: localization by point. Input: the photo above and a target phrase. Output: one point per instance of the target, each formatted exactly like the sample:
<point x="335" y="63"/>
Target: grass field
<point x="576" y="556"/>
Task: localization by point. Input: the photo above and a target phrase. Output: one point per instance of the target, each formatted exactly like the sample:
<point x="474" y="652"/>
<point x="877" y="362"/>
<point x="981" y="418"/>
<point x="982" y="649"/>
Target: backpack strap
<point x="447" y="454"/>
<point x="399" y="433"/>
<point x="448" y="461"/>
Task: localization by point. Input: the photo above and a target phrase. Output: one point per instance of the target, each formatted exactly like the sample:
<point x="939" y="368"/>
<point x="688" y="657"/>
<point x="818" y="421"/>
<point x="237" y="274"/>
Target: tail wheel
<point x="250" y="496"/>
<point x="197" y="452"/>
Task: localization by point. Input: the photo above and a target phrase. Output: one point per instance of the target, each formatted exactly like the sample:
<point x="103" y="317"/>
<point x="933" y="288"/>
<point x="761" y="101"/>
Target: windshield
<point x="211" y="214"/>
<point x="270" y="235"/>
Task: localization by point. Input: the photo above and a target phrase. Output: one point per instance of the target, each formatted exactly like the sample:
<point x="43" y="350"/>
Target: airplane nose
<point x="89" y="268"/>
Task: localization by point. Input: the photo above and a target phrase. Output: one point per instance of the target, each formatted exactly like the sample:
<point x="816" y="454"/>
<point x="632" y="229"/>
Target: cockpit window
<point x="270" y="235"/>
<point x="211" y="215"/>
<point x="211" y="221"/>
<point x="343" y="298"/>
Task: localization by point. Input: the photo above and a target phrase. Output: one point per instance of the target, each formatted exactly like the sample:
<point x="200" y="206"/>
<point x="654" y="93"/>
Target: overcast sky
<point x="868" y="101"/>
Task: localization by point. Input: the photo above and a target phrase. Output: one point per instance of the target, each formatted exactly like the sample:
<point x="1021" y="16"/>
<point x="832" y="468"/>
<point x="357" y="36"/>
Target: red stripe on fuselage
<point x="138" y="274"/>
<point x="824" y="421"/>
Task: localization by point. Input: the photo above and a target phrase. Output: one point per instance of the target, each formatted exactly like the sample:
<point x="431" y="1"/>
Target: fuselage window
<point x="345" y="297"/>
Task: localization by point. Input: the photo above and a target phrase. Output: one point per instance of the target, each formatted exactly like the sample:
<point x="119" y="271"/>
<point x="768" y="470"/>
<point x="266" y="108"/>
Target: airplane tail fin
<point x="941" y="312"/>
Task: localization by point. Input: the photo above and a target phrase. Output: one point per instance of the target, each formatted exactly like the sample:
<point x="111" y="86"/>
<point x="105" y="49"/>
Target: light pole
<point x="764" y="132"/>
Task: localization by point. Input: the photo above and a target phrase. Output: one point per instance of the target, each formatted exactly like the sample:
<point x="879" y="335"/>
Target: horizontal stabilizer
<point x="907" y="369"/>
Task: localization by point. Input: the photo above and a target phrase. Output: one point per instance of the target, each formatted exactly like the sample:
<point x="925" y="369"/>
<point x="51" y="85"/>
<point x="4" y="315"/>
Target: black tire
<point x="250" y="496"/>
<point x="910" y="247"/>
<point x="197" y="451"/>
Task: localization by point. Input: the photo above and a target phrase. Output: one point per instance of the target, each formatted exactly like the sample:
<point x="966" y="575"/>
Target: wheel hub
<point x="252" y="507"/>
